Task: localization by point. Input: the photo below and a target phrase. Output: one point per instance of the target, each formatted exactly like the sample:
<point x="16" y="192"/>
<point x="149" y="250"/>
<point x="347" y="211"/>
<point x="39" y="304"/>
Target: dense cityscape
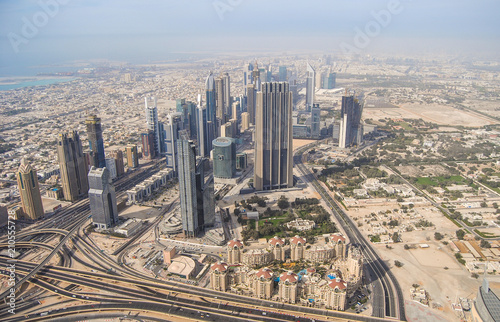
<point x="252" y="187"/>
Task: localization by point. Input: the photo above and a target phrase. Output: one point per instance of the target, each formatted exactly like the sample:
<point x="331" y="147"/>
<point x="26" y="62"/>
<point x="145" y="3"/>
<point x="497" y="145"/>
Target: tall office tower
<point x="236" y="110"/>
<point x="247" y="77"/>
<point x="96" y="144"/>
<point x="118" y="156"/>
<point x="329" y="80"/>
<point x="283" y="74"/>
<point x="224" y="158"/>
<point x="132" y="157"/>
<point x="152" y="122"/>
<point x="256" y="77"/>
<point x="211" y="111"/>
<point x="251" y="92"/>
<point x="351" y="130"/>
<point x="191" y="119"/>
<point x="201" y="125"/>
<point x="332" y="79"/>
<point x="310" y="87"/>
<point x="111" y="166"/>
<point x="228" y="99"/>
<point x="273" y="137"/>
<point x="72" y="165"/>
<point x="148" y="145"/>
<point x="31" y="200"/>
<point x="179" y="104"/>
<point x="292" y="80"/>
<point x="193" y="191"/>
<point x="102" y="198"/>
<point x="245" y="121"/>
<point x="315" y="121"/>
<point x="219" y="98"/>
<point x="172" y="127"/>
<point x="318" y="81"/>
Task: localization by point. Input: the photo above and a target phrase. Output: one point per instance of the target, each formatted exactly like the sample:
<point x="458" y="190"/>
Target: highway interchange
<point x="117" y="288"/>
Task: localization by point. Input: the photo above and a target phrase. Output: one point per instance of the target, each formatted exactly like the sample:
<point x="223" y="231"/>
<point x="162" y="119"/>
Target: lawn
<point x="436" y="181"/>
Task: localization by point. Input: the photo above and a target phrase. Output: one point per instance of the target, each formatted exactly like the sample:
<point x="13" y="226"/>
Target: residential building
<point x="96" y="144"/>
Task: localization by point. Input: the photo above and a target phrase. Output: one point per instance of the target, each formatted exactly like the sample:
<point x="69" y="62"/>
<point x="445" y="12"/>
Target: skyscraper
<point x="251" y="91"/>
<point x="283" y="74"/>
<point x="273" y="137"/>
<point x="311" y="77"/>
<point x="351" y="130"/>
<point x="96" y="144"/>
<point x="201" y="122"/>
<point x="148" y="146"/>
<point x="315" y="121"/>
<point x="211" y="112"/>
<point x="196" y="195"/>
<point x="102" y="198"/>
<point x="31" y="200"/>
<point x="172" y="128"/>
<point x="224" y="158"/>
<point x="118" y="156"/>
<point x="132" y="157"/>
<point x="152" y="122"/>
<point x="72" y="165"/>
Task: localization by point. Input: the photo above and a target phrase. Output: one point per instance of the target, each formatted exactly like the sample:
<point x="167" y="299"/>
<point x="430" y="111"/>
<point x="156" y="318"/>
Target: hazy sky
<point x="148" y="30"/>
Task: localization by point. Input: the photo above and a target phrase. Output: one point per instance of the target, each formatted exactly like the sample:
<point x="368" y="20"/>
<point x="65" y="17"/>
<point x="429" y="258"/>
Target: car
<point x="74" y="295"/>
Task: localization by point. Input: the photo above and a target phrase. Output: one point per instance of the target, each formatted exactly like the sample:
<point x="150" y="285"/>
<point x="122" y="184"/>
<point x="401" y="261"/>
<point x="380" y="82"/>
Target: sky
<point x="43" y="32"/>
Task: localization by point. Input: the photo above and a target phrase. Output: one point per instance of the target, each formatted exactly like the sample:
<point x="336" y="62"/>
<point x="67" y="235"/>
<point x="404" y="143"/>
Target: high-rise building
<point x="251" y="92"/>
<point x="118" y="156"/>
<point x="148" y="145"/>
<point x="153" y="123"/>
<point x="310" y="86"/>
<point x="111" y="166"/>
<point x="210" y="124"/>
<point x="31" y="200"/>
<point x="234" y="250"/>
<point x="224" y="155"/>
<point x="288" y="287"/>
<point x="273" y="137"/>
<point x="102" y="198"/>
<point x="241" y="161"/>
<point x="283" y="76"/>
<point x="351" y="130"/>
<point x="315" y="121"/>
<point x="245" y="121"/>
<point x="132" y="157"/>
<point x="202" y="129"/>
<point x="72" y="165"/>
<point x="172" y="128"/>
<point x="96" y="144"/>
<point x="223" y="99"/>
<point x="196" y="194"/>
<point x="218" y="276"/>
<point x="192" y="128"/>
<point x="329" y="80"/>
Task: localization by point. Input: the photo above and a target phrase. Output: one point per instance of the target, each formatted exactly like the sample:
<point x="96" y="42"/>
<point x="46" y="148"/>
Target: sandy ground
<point x="435" y="113"/>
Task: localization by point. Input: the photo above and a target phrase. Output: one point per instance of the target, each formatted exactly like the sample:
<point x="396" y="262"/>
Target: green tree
<point x="283" y="202"/>
<point x="460" y="234"/>
<point x="438" y="236"/>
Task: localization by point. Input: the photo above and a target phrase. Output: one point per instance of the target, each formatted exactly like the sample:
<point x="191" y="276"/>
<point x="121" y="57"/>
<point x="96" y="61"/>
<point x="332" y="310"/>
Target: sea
<point x="48" y="81"/>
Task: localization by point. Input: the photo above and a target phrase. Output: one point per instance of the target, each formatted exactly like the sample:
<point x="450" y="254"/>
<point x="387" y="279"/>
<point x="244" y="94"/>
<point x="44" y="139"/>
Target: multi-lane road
<point x="117" y="287"/>
<point x="388" y="298"/>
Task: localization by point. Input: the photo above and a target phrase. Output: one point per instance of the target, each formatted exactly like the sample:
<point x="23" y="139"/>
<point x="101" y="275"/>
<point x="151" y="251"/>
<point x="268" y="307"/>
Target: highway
<point x="388" y="298"/>
<point x="127" y="289"/>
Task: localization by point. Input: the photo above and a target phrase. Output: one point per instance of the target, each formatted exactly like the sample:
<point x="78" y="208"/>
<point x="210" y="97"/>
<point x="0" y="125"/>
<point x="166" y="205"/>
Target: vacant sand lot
<point x="435" y="113"/>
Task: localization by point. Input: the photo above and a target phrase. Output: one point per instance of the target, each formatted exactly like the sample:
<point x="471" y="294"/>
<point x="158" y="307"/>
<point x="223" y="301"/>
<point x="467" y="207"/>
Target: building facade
<point x="273" y="137"/>
<point x="31" y="200"/>
<point x="132" y="156"/>
<point x="96" y="143"/>
<point x="72" y="165"/>
<point x="351" y="129"/>
<point x="224" y="156"/>
<point x="102" y="198"/>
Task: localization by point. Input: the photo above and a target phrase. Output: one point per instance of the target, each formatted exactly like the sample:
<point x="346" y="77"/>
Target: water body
<point x="40" y="82"/>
